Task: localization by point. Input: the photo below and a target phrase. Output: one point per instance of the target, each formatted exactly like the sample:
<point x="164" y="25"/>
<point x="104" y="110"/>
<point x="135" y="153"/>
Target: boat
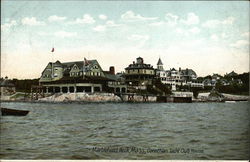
<point x="13" y="112"/>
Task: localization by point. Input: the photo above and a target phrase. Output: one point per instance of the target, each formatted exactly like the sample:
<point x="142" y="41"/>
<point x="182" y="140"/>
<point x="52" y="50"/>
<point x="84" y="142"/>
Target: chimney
<point x="112" y="70"/>
<point x="133" y="62"/>
<point x="179" y="68"/>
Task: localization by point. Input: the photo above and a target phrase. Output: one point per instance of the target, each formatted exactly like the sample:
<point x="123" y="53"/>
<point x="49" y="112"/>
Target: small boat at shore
<point x="13" y="112"/>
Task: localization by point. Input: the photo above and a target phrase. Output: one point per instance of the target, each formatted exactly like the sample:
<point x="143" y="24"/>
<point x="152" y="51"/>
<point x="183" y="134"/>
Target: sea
<point x="161" y="131"/>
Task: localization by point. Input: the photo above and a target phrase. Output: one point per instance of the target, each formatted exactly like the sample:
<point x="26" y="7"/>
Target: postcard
<point x="124" y="80"/>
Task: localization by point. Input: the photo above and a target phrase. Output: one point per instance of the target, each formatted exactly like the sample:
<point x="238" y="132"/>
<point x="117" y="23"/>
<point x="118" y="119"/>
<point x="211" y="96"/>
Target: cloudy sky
<point x="209" y="37"/>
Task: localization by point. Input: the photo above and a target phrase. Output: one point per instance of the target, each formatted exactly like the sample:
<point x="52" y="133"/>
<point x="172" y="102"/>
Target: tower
<point x="160" y="64"/>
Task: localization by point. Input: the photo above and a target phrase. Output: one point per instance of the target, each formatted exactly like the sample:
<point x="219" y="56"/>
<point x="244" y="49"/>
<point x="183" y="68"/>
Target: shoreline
<point x="84" y="98"/>
<point x="117" y="102"/>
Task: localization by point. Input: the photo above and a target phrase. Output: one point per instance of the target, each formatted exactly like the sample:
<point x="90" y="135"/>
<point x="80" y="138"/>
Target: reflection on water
<point x="127" y="131"/>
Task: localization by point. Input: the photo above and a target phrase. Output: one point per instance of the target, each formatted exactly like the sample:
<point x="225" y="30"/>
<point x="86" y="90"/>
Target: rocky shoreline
<point x="110" y="97"/>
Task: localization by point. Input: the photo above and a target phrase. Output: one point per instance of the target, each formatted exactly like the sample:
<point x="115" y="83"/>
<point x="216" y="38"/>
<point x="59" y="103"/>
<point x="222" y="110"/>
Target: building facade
<point x="139" y="73"/>
<point x="175" y="77"/>
<point x="79" y="76"/>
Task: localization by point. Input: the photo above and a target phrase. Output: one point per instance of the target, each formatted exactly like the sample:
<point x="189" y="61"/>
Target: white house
<point x="175" y="77"/>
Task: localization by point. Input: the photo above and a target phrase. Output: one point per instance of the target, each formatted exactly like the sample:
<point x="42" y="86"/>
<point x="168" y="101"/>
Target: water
<point x="144" y="131"/>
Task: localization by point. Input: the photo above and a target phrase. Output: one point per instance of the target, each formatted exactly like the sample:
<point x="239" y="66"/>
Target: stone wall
<point x="138" y="98"/>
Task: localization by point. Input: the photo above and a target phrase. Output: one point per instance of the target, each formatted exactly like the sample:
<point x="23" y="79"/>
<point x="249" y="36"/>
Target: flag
<point x="53" y="49"/>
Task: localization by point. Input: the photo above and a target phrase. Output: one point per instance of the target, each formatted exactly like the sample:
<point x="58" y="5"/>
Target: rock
<point x="100" y="97"/>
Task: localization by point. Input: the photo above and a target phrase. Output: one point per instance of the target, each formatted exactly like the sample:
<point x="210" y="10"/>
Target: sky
<point x="206" y="36"/>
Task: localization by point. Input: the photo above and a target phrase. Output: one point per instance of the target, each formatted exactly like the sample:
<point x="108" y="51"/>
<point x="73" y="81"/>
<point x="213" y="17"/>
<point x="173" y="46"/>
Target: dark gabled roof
<point x="70" y="64"/>
<point x="173" y="69"/>
<point x="111" y="76"/>
<point x="188" y="72"/>
<point x="159" y="62"/>
<point x="57" y="63"/>
<point x="91" y="63"/>
<point x="79" y="64"/>
<point x="216" y="75"/>
<point x="207" y="81"/>
<point x="232" y="74"/>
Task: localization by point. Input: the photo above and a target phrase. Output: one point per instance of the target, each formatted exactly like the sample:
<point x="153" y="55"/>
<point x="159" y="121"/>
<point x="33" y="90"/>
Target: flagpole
<point x="52" y="51"/>
<point x="52" y="70"/>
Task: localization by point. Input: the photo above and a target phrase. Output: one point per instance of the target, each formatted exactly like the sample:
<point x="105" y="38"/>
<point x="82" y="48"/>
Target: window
<point x="75" y="67"/>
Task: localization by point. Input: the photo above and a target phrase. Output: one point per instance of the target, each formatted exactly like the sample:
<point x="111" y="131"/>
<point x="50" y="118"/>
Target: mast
<point x="52" y="67"/>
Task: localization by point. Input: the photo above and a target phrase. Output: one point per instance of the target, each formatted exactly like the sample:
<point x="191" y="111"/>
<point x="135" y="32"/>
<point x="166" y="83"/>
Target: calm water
<point x="127" y="131"/>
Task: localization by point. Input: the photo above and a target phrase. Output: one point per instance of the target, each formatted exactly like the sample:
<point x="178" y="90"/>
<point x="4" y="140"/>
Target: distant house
<point x="188" y="74"/>
<point x="78" y="76"/>
<point x="175" y="77"/>
<point x="139" y="73"/>
<point x="209" y="82"/>
<point x="236" y="81"/>
<point x="224" y="82"/>
<point x="231" y="74"/>
<point x="239" y="81"/>
<point x="6" y="87"/>
<point x="216" y="76"/>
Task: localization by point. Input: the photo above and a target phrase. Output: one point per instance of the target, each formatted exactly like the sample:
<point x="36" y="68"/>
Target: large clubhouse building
<point x="80" y="76"/>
